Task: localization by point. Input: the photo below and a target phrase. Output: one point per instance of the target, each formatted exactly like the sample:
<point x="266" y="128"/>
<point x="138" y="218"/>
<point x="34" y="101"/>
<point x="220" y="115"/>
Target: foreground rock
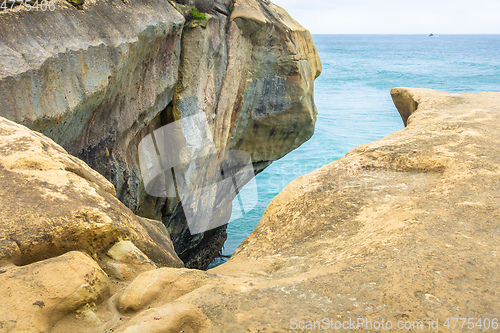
<point x="36" y="296"/>
<point x="404" y="229"/>
<point x="401" y="229"/>
<point x="52" y="203"/>
<point x="98" y="80"/>
<point x="75" y="241"/>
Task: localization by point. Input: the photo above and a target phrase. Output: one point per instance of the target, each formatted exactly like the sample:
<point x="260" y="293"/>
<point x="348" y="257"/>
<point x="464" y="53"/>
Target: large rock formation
<point x="404" y="229"/>
<point x="98" y="80"/>
<point x="66" y="241"/>
<point x="52" y="203"/>
<point x="36" y="296"/>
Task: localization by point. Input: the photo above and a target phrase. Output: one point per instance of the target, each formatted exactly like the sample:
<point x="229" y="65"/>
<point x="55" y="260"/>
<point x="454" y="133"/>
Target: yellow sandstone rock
<point x="52" y="203"/>
<point x="36" y="296"/>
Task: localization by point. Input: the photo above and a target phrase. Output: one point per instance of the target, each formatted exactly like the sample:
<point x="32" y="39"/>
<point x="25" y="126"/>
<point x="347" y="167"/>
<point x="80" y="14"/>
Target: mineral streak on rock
<point x="100" y="79"/>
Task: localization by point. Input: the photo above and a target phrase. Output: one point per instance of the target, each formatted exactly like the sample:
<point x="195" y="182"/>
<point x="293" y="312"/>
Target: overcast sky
<point x="396" y="16"/>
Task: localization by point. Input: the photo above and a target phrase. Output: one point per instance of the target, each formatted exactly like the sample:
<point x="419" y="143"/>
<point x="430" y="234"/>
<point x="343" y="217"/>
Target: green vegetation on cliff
<point x="197" y="15"/>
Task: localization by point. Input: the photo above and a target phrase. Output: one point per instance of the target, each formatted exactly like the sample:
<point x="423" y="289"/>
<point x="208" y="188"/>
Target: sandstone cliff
<point x="402" y="229"/>
<point x="98" y="80"/>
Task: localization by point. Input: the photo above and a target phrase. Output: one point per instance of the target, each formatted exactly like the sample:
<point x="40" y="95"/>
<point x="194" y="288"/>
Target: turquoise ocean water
<point x="354" y="103"/>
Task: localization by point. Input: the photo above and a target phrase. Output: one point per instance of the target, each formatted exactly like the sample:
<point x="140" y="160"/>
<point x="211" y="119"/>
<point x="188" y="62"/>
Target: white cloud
<point x="396" y="16"/>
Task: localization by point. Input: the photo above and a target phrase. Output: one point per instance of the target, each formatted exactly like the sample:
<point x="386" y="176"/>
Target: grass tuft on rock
<point x="77" y="3"/>
<point x="197" y="15"/>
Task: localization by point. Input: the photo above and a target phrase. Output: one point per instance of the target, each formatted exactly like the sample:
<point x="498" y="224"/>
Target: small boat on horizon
<point x="432" y="35"/>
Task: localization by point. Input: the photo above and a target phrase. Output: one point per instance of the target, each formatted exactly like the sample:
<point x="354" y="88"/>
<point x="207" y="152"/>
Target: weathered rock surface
<point x="36" y="296"/>
<point x="127" y="261"/>
<point x="98" y="80"/>
<point x="52" y="203"/>
<point x="402" y="229"/>
<point x="159" y="287"/>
